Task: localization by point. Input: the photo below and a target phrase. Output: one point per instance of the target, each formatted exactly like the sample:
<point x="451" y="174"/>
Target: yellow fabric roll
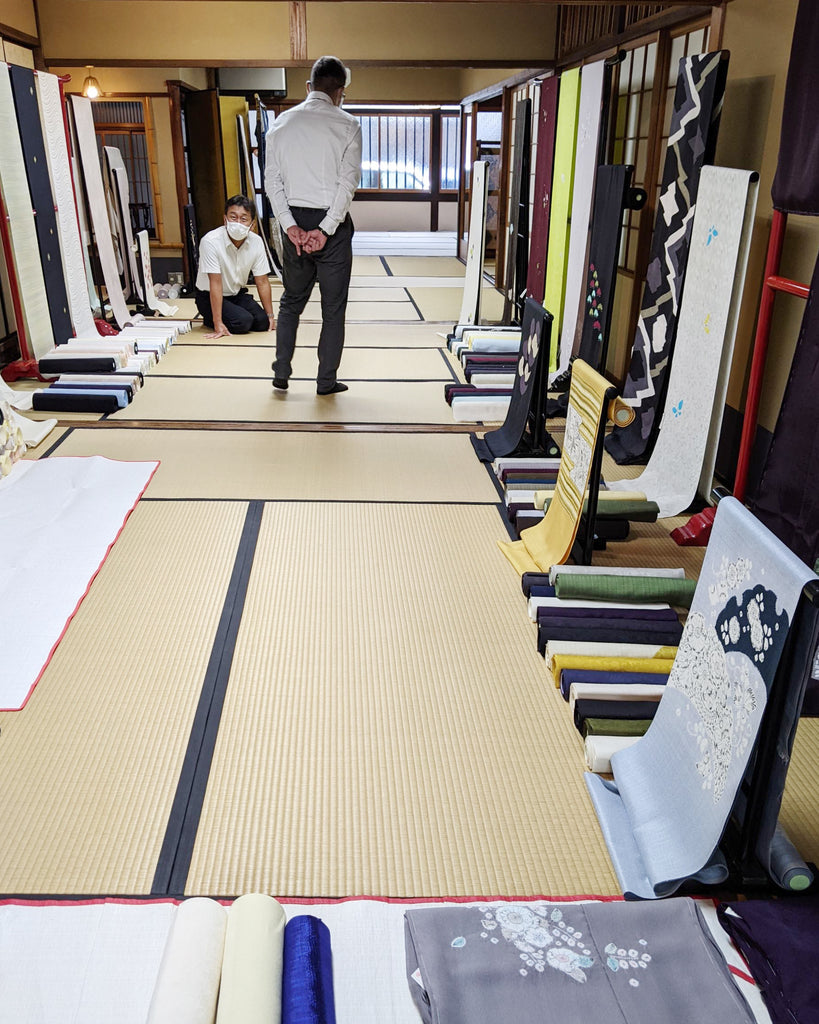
<point x="550" y="542"/>
<point x="546" y="495"/>
<point x="251" y="990"/>
<point x="656" y="665"/>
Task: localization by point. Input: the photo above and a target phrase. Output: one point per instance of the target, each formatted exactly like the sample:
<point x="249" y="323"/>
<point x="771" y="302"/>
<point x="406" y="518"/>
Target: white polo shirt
<point x="313" y="159"/>
<point x="218" y="255"/>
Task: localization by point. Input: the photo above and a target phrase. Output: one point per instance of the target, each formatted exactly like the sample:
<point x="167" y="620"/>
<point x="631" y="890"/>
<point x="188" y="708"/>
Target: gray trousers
<point x="332" y="267"/>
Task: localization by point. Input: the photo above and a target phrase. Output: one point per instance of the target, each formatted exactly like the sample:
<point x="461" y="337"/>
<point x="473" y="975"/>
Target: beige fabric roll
<point x="251" y="991"/>
<point x="187" y="985"/>
<point x="599" y="749"/>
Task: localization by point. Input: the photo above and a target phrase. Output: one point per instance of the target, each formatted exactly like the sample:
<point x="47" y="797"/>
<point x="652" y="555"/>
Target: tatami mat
<point x="367" y="311"/>
<point x="210" y="359"/>
<point x="388" y="726"/>
<point x="444" y="304"/>
<point x="295" y="465"/>
<point x="254" y="401"/>
<point x="414" y="334"/>
<point x="426" y="266"/>
<point x="800" y="806"/>
<point x="90" y="765"/>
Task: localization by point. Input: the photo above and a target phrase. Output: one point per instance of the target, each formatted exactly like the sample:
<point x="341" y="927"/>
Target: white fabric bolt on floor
<point x="64" y="515"/>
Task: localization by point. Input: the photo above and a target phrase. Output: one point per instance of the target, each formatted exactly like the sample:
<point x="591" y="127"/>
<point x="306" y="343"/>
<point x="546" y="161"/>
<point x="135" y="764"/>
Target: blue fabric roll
<point x="307" y="980"/>
<point x="540" y="591"/>
<point x="575" y="675"/>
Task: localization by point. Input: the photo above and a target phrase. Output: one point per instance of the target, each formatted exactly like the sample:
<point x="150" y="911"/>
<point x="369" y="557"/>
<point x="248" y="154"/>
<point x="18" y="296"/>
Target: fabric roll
<point x="786" y="865"/>
<point x="28" y="271"/>
<point x="652" y="666"/>
<point x="527" y="386"/>
<point x="615" y="726"/>
<point x="663" y="816"/>
<point x="598" y="751"/>
<point x="71" y="364"/>
<point x="591" y="400"/>
<point x="543" y="497"/>
<point x="624" y="631"/>
<point x="251" y="986"/>
<point x="613" y="710"/>
<point x="638" y="652"/>
<point x="536" y="604"/>
<point x="92" y="175"/>
<point x="787" y="498"/>
<point x="55" y="400"/>
<point x="682" y="460"/>
<point x="307" y="984"/>
<point x="636" y="588"/>
<point x="542" y="189"/>
<point x="778" y="939"/>
<point x="52" y="117"/>
<point x="633" y="614"/>
<point x="620" y="570"/>
<point x="570" y="963"/>
<point x="691" y="143"/>
<point x="532" y="579"/>
<point x="590" y="108"/>
<point x="42" y="198"/>
<point x="562" y="186"/>
<point x="568" y="677"/>
<point x="795" y="187"/>
<point x="187" y="986"/>
<point x="607" y="698"/>
<point x="473" y="275"/>
<point x="479" y="409"/>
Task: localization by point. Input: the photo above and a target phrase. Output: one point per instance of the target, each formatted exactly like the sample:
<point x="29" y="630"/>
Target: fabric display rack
<point x="100" y="368"/>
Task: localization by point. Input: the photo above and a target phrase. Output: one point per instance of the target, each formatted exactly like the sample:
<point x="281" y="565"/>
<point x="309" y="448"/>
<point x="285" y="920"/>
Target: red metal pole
<point x="763" y="334"/>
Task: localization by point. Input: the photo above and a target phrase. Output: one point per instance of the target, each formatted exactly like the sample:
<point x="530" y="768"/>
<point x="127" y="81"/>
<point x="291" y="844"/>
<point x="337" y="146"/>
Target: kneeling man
<point x="227" y="255"/>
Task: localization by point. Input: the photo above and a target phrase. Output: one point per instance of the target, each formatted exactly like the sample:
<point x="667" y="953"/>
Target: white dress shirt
<point x="313" y="159"/>
<point x="218" y="255"/>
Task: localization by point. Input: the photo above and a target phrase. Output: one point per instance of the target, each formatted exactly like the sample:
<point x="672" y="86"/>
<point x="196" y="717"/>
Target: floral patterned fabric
<point x="572" y="963"/>
<point x="664" y="814"/>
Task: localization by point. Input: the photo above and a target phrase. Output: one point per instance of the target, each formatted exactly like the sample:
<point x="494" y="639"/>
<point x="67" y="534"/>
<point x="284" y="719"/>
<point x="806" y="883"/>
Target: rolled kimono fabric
<point x="307" y="982"/>
<point x="660" y="666"/>
<point x="615" y="710"/>
<point x="571" y="676"/>
<point x="615" y="726"/>
<point x="598" y="751"/>
<point x="621" y="570"/>
<point x="603" y="607"/>
<point x="611" y="631"/>
<point x="633" y="613"/>
<point x="187" y="985"/>
<point x="638" y="588"/>
<point x="251" y="989"/>
<point x="595" y="650"/>
<point x="641" y="692"/>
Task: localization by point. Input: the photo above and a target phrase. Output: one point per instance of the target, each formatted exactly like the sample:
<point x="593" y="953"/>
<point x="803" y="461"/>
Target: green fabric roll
<point x="626" y="588"/>
<point x="635" y="511"/>
<point x="615" y="726"/>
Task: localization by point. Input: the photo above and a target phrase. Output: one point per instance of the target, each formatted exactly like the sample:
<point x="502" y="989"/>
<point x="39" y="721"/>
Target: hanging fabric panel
<point x="541" y="198"/>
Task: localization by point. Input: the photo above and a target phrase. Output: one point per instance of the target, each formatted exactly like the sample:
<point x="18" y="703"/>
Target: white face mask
<point x="237" y="231"/>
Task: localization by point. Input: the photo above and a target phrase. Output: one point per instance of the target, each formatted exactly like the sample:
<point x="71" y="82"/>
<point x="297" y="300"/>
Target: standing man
<point x="227" y="255"/>
<point x="313" y="166"/>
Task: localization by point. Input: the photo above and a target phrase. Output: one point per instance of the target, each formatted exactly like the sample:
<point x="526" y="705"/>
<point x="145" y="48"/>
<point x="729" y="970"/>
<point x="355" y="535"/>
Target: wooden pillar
<point x="298" y="30"/>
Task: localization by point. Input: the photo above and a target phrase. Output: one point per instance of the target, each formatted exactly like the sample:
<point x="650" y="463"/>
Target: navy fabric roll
<point x="77" y="364"/>
<point x="613" y="612"/>
<point x="541" y="591"/>
<point x="618" y="709"/>
<point x="307" y="980"/>
<point x="75" y="400"/>
<point x="535" y="579"/>
<point x="780" y="941"/>
<point x="608" y="634"/>
<point x="576" y="675"/>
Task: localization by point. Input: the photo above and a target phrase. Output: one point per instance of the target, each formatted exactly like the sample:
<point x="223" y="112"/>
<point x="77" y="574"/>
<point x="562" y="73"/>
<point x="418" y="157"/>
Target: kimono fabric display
<point x="569" y="964"/>
<point x="691" y="143"/>
<point x="473" y="276"/>
<point x="664" y="814"/>
<point x="541" y="196"/>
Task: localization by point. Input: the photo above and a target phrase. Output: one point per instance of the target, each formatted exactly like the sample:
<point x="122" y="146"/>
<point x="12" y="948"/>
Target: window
<point x="121" y="124"/>
<point x="397" y="149"/>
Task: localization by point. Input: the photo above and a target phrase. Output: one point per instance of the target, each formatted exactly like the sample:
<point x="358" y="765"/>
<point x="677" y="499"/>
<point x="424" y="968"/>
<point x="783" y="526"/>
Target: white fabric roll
<point x="497" y="345"/>
<point x="618" y="570"/>
<point x="492" y="380"/>
<point x="611" y="691"/>
<point x="251" y="989"/>
<point x="522" y="462"/>
<point x="556" y="602"/>
<point x="479" y="410"/>
<point x="187" y="985"/>
<point x="599" y="650"/>
<point x="599" y="749"/>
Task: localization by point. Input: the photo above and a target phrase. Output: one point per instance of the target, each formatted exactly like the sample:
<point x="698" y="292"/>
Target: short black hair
<point x="328" y="74"/>
<point x="244" y="202"/>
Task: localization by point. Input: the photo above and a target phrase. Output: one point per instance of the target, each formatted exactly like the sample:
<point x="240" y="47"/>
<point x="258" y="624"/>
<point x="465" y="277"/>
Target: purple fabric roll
<point x="614" y="612"/>
<point x="608" y="634"/>
<point x="780" y="941"/>
<point x="576" y="675"/>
